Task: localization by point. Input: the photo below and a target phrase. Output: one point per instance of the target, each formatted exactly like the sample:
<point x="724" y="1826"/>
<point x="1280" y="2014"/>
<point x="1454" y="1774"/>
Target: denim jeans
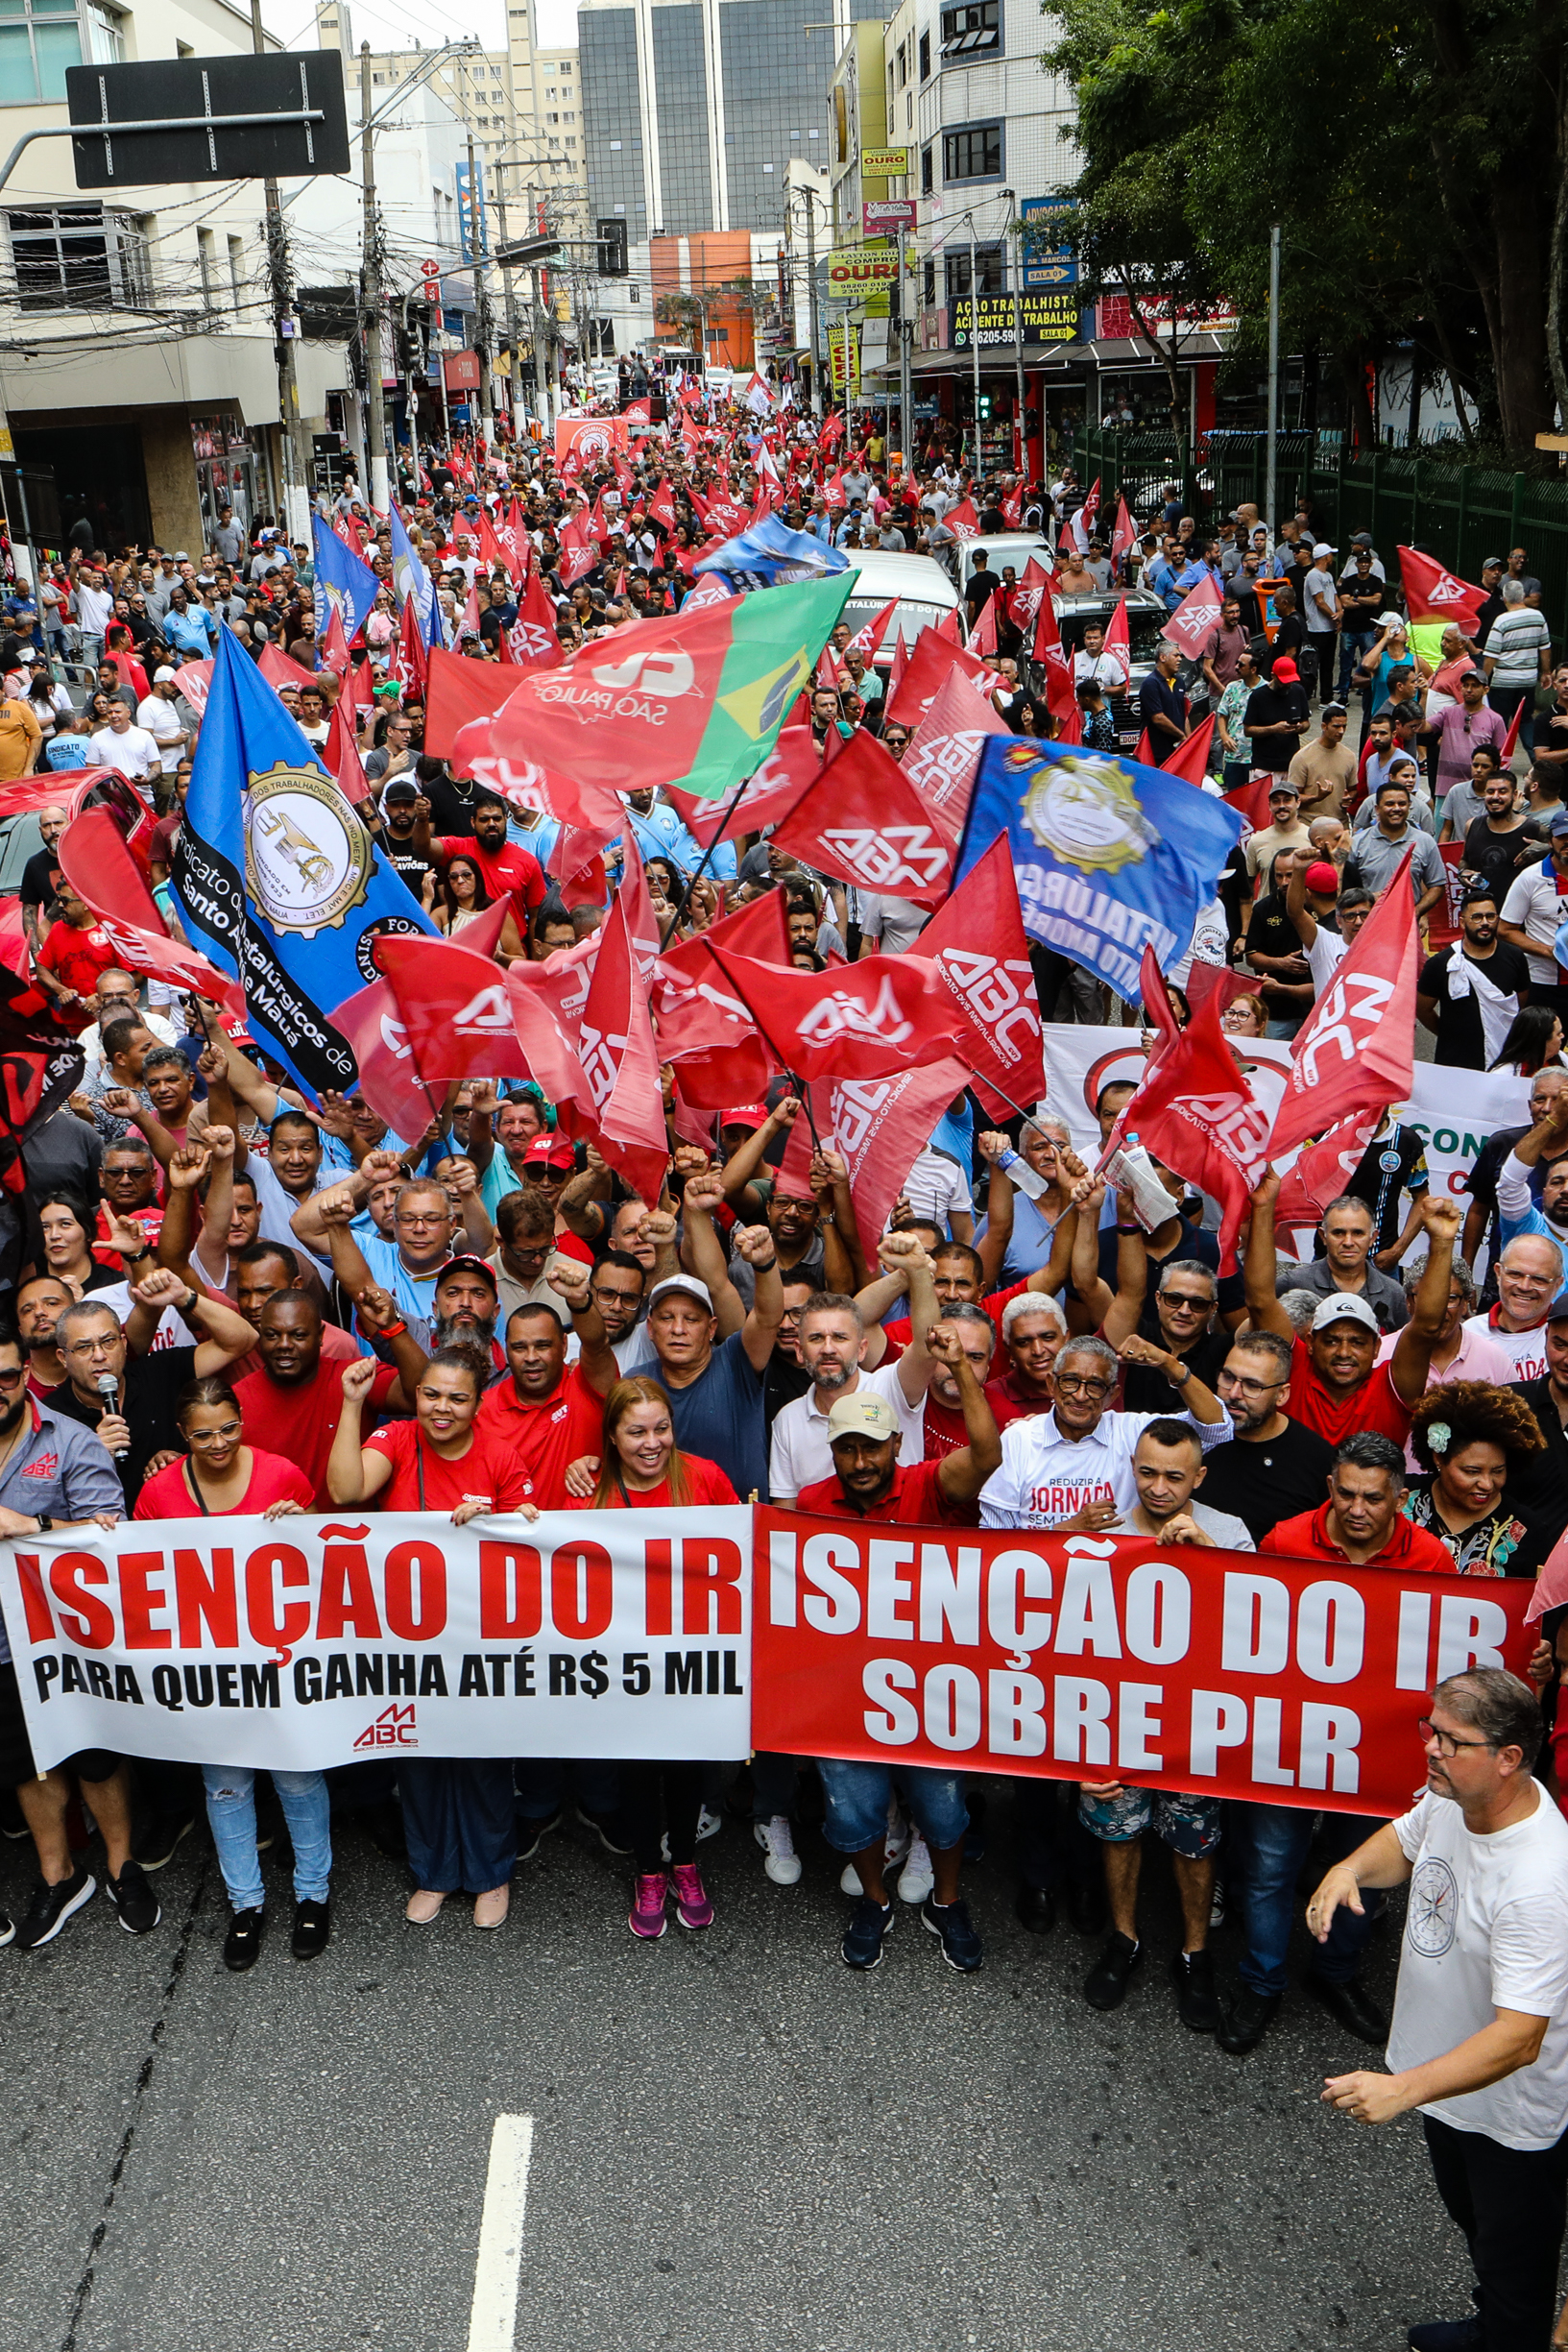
<point x="857" y="1797"/>
<point x="1353" y="644"/>
<point x="1266" y="1846"/>
<point x="230" y="1809"/>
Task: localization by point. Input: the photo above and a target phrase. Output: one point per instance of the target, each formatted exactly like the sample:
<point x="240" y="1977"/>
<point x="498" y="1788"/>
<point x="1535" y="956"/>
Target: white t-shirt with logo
<point x="1486" y="1929"/>
<point x="1525" y="1350"/>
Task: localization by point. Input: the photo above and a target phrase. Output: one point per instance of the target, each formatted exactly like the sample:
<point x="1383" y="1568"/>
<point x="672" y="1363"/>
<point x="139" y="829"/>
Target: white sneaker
<point x="784" y="1864"/>
<point x="895" y="1846"/>
<point x="709" y="1825"/>
<point x="849" y="1879"/>
<point x="917" y="1879"/>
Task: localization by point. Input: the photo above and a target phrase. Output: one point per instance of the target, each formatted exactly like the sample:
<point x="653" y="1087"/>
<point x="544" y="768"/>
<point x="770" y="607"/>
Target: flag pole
<point x="693" y="878"/>
<point x="803" y="1088"/>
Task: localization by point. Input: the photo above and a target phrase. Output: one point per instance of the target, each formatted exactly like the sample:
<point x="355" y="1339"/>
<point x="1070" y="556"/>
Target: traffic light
<point x="611" y="233"/>
<point x="985" y="408"/>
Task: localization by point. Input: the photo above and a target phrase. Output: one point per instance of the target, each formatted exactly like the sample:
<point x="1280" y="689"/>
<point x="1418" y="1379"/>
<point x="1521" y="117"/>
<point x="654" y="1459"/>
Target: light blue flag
<point x="1110" y="856"/>
<point x="410" y="578"/>
<point x="276" y="877"/>
<point x="344" y="581"/>
<point x="768" y="553"/>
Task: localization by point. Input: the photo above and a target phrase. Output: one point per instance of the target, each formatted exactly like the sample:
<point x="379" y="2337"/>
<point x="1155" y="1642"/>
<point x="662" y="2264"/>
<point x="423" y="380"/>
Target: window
<point x="236" y="270"/>
<point x="572" y="143"/>
<point x="929" y="294"/>
<point x="989" y="262"/>
<point x="970" y="30"/>
<point x="565" y="65"/>
<point x="39" y="38"/>
<point x="495" y="71"/>
<point x="76" y="257"/>
<point x="904" y="64"/>
<point x="552" y="118"/>
<point x="925" y="155"/>
<point x="568" y="117"/>
<point x="206" y="256"/>
<point x="925" y="57"/>
<point x="972" y="154"/>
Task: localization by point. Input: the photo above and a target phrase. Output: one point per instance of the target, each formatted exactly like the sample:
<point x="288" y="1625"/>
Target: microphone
<point x="109" y="1389"/>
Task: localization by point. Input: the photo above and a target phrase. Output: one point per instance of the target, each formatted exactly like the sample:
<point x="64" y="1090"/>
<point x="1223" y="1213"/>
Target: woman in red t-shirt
<point x="459" y="1815"/>
<point x="222" y="1477"/>
<point x="643" y="1468"/>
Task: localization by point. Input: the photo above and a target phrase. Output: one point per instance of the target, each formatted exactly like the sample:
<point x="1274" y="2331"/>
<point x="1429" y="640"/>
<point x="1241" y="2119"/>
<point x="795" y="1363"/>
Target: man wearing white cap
<point x="1320" y="603"/>
<point x="157" y="716"/>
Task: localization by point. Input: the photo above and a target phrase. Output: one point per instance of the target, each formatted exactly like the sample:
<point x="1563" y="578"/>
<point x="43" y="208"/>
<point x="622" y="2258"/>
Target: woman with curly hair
<point x="1469" y="1438"/>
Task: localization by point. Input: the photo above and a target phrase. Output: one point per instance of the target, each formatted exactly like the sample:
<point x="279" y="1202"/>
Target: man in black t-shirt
<point x="140" y="1431"/>
<point x="1176" y="1318"/>
<point x="1273" y="1467"/>
<point x="1469" y="993"/>
<point x="399" y="813"/>
<point x="1276" y="717"/>
<point x="41" y="877"/>
<point x="1480" y="1217"/>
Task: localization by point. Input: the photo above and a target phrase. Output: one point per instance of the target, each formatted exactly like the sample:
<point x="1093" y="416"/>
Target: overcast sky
<point x="388" y="23"/>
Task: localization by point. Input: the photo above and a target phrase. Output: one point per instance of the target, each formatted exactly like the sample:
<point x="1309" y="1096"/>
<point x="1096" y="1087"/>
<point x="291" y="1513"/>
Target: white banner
<point x="1455" y="1110"/>
<point x="306" y="1642"/>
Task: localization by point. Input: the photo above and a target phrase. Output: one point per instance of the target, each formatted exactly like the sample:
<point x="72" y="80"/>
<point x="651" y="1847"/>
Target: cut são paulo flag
<point x="1355" y="1054"/>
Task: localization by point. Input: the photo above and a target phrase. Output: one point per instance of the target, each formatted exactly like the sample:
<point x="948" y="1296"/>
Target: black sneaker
<point x="242" y="1945"/>
<point x="52" y="1906"/>
<point x="869" y="1924"/>
<point x="609" y="1829"/>
<point x="12" y="1823"/>
<point x="1105" y="1987"/>
<point x="1197" y="2003"/>
<point x="531" y="1831"/>
<point x="1247" y="2020"/>
<point x="961" y="1946"/>
<point x="135" y="1905"/>
<point x="312" y="1927"/>
<point x="158" y="1838"/>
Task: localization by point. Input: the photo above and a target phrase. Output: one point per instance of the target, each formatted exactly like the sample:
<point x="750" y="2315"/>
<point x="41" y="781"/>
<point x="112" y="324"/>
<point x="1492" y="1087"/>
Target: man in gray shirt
<point x="1345" y="1270"/>
<point x="1380" y="849"/>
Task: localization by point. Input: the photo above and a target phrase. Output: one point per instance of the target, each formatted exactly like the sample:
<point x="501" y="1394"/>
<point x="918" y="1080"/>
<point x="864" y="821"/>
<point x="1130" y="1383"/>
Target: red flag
<point x="865" y="822"/>
<point x="1196" y="1110"/>
<point x="930" y="662"/>
<point x="491" y="552"/>
<point x="532" y="637"/>
<point x="1123" y="537"/>
<point x="1191" y="758"/>
<point x="1355" y="1054"/>
<point x="1061" y="694"/>
<point x="868" y="640"/>
<point x="340" y="755"/>
<point x="410" y="662"/>
<point x="1189" y="625"/>
<point x="1251" y="801"/>
<point x="878" y="1126"/>
<point x="371" y="1022"/>
<point x="579" y="552"/>
<point x="662" y="506"/>
<point x="454" y="1009"/>
<point x="277" y="670"/>
<point x="950" y="626"/>
<point x="1434" y="593"/>
<point x="195" y="678"/>
<point x="791" y="767"/>
<point x="1023" y="600"/>
<point x="962" y="520"/>
<point x="1012" y="507"/>
<point x="982" y="953"/>
<point x="895" y="667"/>
<point x="1119" y="642"/>
<point x="695" y="1005"/>
<point x="100" y="869"/>
<point x="1323" y="1170"/>
<point x="942" y="756"/>
<point x="885" y="1012"/>
<point x="457" y="691"/>
<point x="1510" y="742"/>
<point x="621" y="1063"/>
<point x="335" y="653"/>
<point x="982" y="637"/>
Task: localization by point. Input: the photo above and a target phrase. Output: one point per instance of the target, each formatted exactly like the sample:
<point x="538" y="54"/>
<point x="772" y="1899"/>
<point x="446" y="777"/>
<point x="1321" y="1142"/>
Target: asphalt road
<point x="736" y="2143"/>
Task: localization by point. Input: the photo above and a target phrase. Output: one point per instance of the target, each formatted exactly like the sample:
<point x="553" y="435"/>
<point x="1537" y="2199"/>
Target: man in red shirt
<point x="944" y="1428"/>
<point x="867" y="1483"/>
<point x="546" y="1411"/>
<point x="507" y="871"/>
<point x="1360" y="1524"/>
<point x="292" y="1406"/>
<point x="1338" y="1385"/>
<point x="73" y="959"/>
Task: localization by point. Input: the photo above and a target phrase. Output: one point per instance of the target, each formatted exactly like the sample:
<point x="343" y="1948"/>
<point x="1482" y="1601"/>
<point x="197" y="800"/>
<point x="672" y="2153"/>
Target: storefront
<point x="227" y="464"/>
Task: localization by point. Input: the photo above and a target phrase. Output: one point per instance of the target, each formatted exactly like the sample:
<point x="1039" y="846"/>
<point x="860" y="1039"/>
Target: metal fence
<point x="1464" y="513"/>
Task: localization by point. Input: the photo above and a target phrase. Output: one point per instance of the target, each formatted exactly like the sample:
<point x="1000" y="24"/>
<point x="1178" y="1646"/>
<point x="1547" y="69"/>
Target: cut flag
<point x="1355" y="1054"/>
<point x="1434" y="593"/>
<point x="942" y="756"/>
<point x="982" y="954"/>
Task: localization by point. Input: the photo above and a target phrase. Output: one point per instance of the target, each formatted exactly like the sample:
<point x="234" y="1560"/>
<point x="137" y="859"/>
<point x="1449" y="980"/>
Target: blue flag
<point x="343" y="579"/>
<point x="1110" y="856"/>
<point x="768" y="553"/>
<point x="410" y="578"/>
<point x="276" y="877"/>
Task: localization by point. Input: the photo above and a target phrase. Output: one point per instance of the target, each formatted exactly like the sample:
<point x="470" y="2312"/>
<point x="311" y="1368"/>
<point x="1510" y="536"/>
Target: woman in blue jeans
<point x="222" y="1477"/>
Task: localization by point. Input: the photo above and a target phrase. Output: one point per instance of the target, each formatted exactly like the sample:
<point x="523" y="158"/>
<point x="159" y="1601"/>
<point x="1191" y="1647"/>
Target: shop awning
<point x="1132" y="351"/>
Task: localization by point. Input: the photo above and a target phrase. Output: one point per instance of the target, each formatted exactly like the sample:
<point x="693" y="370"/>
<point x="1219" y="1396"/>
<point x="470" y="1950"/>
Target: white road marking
<point x="493" y="2318"/>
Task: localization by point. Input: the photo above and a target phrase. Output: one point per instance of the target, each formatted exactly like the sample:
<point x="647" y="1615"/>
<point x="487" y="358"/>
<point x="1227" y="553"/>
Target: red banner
<point x="1234" y="1674"/>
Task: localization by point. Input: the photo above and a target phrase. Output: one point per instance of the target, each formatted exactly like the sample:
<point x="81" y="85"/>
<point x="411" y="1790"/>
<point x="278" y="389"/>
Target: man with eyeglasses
<point x="1179" y="1318"/>
<point x="1270" y="1465"/>
<point x="1361" y="1522"/>
<point x="138" y="1422"/>
<point x="1530" y="1273"/>
<point x="54" y="1479"/>
<point x="525" y="1243"/>
<point x="1478" y="2046"/>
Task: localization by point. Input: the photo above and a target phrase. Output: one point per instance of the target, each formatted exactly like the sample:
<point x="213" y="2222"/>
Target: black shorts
<point x="16" y="1763"/>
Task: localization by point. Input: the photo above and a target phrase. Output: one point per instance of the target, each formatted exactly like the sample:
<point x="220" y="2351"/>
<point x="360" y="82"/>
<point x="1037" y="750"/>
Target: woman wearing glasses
<point x="222" y="1477"/>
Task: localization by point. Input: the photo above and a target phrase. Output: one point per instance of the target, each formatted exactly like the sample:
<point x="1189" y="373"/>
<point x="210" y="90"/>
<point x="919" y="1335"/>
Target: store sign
<point x="461" y="371"/>
<point x="1116" y="319"/>
<point x="884" y="162"/>
<point x="884" y="212"/>
<point x="1050" y="225"/>
<point x="844" y="357"/>
<point x="854" y="269"/>
<point x="1044" y="317"/>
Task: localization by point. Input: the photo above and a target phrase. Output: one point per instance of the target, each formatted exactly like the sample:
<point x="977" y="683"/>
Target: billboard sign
<point x="885" y="213"/>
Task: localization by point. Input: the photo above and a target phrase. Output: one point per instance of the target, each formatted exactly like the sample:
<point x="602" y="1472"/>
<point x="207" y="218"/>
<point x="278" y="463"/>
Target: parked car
<point x="924" y="593"/>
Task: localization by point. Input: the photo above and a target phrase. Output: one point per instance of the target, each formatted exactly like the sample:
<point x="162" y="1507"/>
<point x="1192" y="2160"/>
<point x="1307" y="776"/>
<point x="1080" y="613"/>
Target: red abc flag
<point x="532" y="639"/>
<point x="335" y="654"/>
<point x="372" y="1021"/>
<point x="1123" y="537"/>
<point x="1012" y="506"/>
<point x="1119" y="641"/>
<point x="962" y="520"/>
<point x="791" y="769"/>
<point x="620" y="1063"/>
<point x="454" y="1006"/>
<point x="1061" y="695"/>
<point x="930" y="662"/>
<point x="1356" y="1051"/>
<point x="1196" y="1110"/>
<point x="102" y="871"/>
<point x="868" y="640"/>
<point x="864" y="822"/>
<point x="579" y="552"/>
<point x="1189" y="625"/>
<point x="982" y="637"/>
<point x="943" y="754"/>
<point x="1191" y="758"/>
<point x="982" y="953"/>
<point x="884" y="1013"/>
<point x="878" y="1126"/>
<point x="1434" y="593"/>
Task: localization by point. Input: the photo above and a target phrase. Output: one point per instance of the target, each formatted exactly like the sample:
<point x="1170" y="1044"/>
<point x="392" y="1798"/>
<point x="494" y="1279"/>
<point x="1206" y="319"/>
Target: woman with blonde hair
<point x="643" y="1468"/>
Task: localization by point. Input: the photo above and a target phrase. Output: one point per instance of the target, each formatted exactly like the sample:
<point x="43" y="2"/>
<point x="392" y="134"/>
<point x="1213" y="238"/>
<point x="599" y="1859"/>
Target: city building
<point x="139" y="375"/>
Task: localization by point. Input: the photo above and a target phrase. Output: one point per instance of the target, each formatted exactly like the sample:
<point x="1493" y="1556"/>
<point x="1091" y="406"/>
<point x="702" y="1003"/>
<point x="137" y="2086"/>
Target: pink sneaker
<point x="646" y="1917"/>
<point x="693" y="1906"/>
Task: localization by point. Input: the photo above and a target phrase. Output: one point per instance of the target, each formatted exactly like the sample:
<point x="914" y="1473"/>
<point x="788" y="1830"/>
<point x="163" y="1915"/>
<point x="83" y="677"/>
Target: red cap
<point x="549" y="1152"/>
<point x="749" y="1114"/>
<point x="1285" y="669"/>
<point x="1323" y="877"/>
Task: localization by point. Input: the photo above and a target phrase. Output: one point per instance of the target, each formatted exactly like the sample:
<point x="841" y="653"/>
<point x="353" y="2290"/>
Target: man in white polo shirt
<point x="1072" y="1466"/>
<point x="832" y="1340"/>
<point x="1478" y="2046"/>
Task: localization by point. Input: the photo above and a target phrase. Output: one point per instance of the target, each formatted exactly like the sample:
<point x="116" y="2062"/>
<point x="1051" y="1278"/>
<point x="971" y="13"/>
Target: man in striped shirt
<point x="1518" y="657"/>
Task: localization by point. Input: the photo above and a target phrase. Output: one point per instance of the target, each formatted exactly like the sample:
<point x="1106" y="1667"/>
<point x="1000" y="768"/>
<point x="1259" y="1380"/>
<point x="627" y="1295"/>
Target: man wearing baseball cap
<point x="157" y="714"/>
<point x="1276" y="717"/>
<point x="1325" y="917"/>
<point x="1283" y="830"/>
<point x="1337" y="1383"/>
<point x="1321" y="610"/>
<point x="548" y="1163"/>
<point x="868" y="1483"/>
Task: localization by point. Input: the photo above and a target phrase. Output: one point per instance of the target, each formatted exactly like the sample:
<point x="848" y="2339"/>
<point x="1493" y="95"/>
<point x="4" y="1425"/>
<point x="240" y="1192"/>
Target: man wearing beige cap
<point x="868" y="1483"/>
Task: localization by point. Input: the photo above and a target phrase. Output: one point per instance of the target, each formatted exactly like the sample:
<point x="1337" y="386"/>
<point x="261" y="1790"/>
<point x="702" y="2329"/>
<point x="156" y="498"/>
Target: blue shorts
<point x="858" y="1798"/>
<point x="1188" y="1825"/>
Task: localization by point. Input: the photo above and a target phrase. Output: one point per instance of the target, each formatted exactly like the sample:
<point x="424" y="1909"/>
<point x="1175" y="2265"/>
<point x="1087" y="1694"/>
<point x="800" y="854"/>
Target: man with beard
<point x="292" y="1404"/>
<point x="40" y="1304"/>
<point x="1467" y="994"/>
<point x="833" y="1340"/>
<point x="506" y="871"/>
<point x="464" y="1303"/>
<point x="1272" y="1467"/>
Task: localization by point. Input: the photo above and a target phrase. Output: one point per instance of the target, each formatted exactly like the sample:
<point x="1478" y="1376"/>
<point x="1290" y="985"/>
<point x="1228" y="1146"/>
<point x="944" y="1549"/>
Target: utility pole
<point x="376" y="398"/>
<point x="412" y="344"/>
<point x="509" y="295"/>
<point x="1015" y="244"/>
<point x="809" y="195"/>
<point x="974" y="342"/>
<point x="907" y="328"/>
<point x="295" y="454"/>
<point x="1269" y="481"/>
<point x="481" y="297"/>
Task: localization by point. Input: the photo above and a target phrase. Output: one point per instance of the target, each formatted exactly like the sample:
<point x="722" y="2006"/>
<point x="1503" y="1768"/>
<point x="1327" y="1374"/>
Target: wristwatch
<point x="1179" y="1379"/>
<point x="45" y="1522"/>
<point x="191" y="1301"/>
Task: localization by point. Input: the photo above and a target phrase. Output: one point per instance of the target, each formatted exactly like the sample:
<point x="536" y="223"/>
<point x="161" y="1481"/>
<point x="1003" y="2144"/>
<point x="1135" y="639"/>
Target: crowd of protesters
<point x="226" y="1298"/>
